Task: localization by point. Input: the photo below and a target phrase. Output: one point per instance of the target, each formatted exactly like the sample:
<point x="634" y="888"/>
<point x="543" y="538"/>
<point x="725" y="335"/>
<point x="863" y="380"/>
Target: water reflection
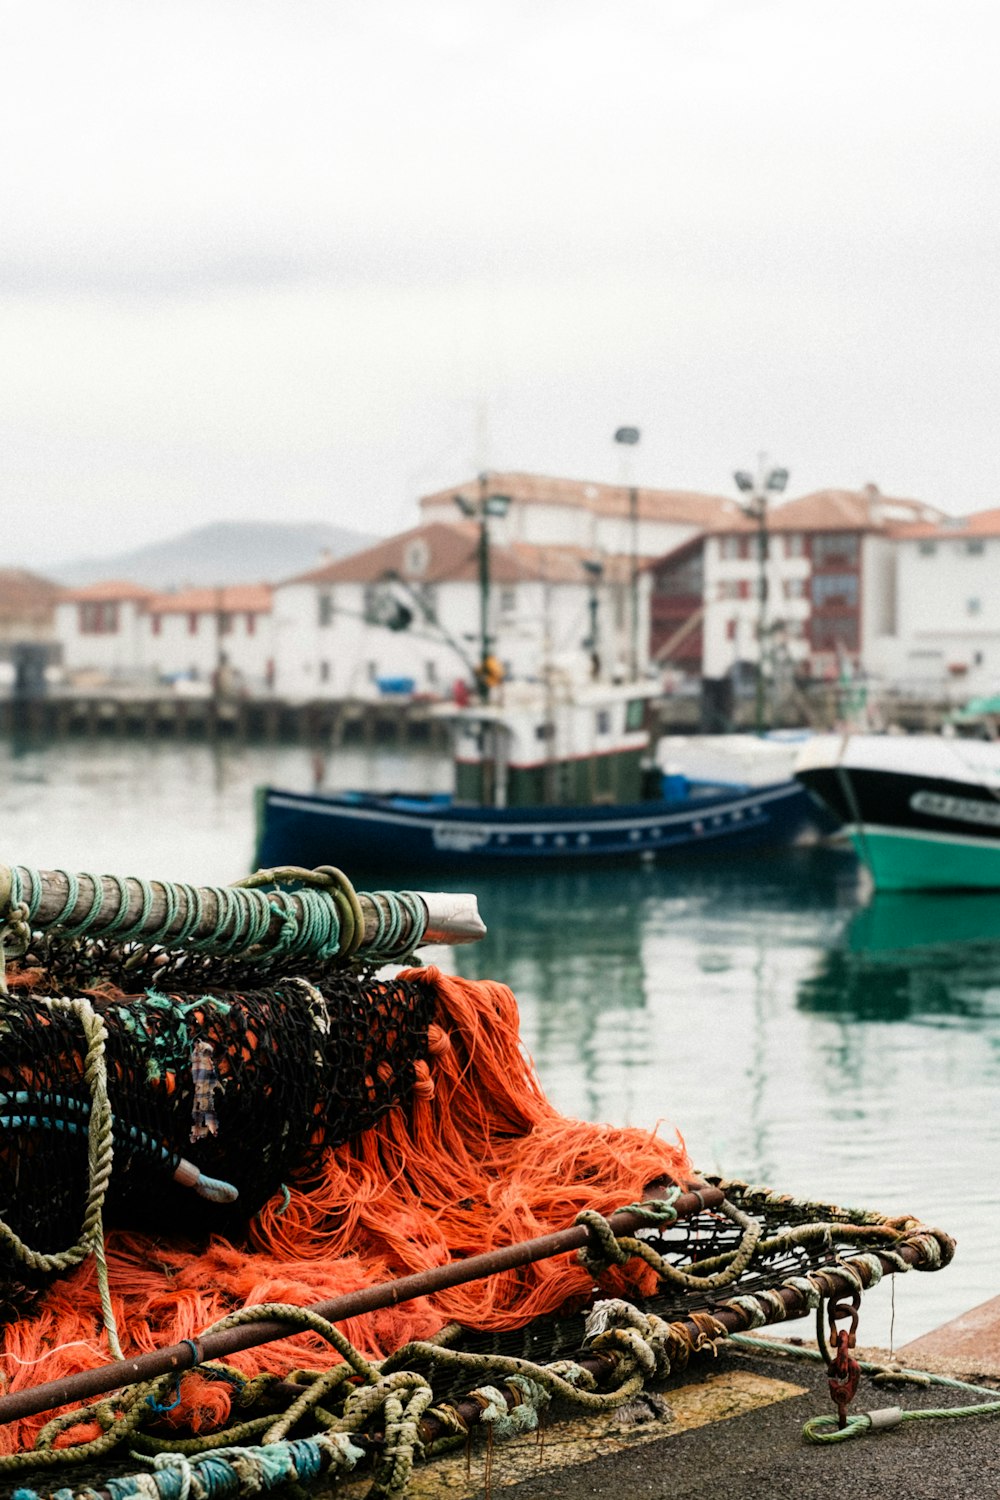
<point x="745" y="1003"/>
<point x="912" y="956"/>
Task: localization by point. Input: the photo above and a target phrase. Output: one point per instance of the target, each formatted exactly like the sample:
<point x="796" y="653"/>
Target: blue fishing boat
<point x="546" y="776"/>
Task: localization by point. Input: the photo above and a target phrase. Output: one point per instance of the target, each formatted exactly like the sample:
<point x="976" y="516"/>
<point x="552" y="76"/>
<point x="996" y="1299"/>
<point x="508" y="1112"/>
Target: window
<point x="225" y="622"/>
<point x="794" y="588"/>
<point x="508" y="601"/>
<point x="602" y="721"/>
<point x="731" y="629"/>
<point x="251" y="623"/>
<point x="324" y="608"/>
<point x="417" y="556"/>
<point x="324" y="671"/>
<point x="836" y="589"/>
<point x="842" y="632"/>
<point x="635" y="714"/>
<point x="974" y="547"/>
<point x="927" y="548"/>
<point x="431" y="673"/>
<point x="795" y="544"/>
<point x="973" y="606"/>
<point x="193" y="623"/>
<point x="98" y="617"/>
<point x="156" y="624"/>
<point x="833" y="550"/>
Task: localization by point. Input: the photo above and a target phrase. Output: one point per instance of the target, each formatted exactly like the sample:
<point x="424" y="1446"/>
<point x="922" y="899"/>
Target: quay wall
<point x="327" y="723"/>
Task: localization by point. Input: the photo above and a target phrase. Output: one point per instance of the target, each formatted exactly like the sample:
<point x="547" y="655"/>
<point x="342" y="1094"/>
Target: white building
<point x="101" y="629"/>
<point x="830" y="584"/>
<point x="598" y="519"/>
<point x="121" y="632"/>
<point x="541" y="609"/>
<point x="946" y="636"/>
<point x="204" y="633"/>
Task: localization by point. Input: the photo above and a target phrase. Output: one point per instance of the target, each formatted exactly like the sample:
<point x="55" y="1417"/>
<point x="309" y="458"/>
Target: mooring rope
<point x="826" y="1428"/>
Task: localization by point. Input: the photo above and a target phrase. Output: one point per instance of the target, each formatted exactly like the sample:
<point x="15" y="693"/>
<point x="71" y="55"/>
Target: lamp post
<point x="481" y="509"/>
<point x="595" y="572"/>
<point x="629" y="436"/>
<point x="758" y="486"/>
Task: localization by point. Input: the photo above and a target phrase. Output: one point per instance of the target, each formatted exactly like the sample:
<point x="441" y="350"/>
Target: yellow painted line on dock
<point x="574" y="1440"/>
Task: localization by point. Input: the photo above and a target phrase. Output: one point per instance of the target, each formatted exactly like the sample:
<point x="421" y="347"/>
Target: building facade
<point x="817" y="582"/>
<point x="407" y="616"/>
<point x="101" y="629"/>
<point x="946" y="636"/>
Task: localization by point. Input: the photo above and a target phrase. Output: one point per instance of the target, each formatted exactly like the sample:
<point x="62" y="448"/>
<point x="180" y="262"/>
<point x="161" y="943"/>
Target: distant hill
<point x="222" y="552"/>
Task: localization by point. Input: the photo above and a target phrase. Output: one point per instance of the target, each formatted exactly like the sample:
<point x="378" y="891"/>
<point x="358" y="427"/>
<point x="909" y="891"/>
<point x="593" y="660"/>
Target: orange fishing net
<point x="476" y="1159"/>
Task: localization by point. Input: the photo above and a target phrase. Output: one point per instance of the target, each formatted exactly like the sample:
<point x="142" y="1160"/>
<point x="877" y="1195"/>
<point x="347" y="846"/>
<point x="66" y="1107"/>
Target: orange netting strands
<point x="473" y="1158"/>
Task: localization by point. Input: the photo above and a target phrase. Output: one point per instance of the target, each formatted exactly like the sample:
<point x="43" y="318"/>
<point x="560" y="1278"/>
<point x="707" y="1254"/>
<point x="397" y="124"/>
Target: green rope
<point x="825" y="1429"/>
<point x="323" y="919"/>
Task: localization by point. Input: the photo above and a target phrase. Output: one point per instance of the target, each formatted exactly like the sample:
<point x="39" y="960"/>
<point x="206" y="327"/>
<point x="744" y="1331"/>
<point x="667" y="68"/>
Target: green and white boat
<point x="923" y="811"/>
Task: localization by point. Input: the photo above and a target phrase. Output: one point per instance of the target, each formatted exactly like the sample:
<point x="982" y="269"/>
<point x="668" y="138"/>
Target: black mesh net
<point x="246" y="1086"/>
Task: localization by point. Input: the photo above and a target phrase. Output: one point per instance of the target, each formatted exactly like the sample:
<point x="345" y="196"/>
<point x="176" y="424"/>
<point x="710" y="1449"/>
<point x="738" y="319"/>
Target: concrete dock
<point x="732" y="1426"/>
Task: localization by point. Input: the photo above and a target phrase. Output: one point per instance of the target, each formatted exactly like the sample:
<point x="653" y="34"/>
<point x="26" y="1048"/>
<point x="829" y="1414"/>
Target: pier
<point x="326" y="724"/>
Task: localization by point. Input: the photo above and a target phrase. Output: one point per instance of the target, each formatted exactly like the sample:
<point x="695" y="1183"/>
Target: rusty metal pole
<point x="86" y="1384"/>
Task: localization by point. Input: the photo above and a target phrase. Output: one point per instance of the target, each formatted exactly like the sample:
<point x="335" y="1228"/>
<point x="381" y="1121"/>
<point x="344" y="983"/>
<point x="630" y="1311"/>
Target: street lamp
<point x="629" y="436"/>
<point x="485" y="506"/>
<point x="594" y="570"/>
<point x="758" y="486"/>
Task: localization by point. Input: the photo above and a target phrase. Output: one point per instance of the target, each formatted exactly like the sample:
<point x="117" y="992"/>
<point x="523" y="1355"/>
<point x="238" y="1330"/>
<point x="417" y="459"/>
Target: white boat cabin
<point x="555" y="746"/>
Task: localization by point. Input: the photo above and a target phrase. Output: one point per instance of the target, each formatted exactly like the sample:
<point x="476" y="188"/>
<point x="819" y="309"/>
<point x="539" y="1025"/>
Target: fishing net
<point x="229" y="1145"/>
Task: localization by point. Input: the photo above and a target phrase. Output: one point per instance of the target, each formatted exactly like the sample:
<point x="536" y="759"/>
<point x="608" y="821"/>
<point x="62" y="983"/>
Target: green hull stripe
<point x="915" y="862"/>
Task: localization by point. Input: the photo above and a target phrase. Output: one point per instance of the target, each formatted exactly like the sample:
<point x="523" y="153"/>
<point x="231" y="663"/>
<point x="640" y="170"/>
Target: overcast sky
<point x="312" y="258"/>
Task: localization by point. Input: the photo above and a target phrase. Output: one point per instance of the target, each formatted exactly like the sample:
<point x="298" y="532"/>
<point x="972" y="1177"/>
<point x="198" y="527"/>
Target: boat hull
<point x="922" y="813"/>
<point x="393" y="833"/>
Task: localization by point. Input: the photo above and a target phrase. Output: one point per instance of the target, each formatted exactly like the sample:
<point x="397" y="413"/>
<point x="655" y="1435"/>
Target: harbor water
<point x="797" y="1029"/>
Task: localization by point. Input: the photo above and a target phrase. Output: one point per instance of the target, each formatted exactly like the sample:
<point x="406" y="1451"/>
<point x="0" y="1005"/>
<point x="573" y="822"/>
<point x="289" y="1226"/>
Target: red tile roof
<point x="450" y="553"/>
<point x="27" y="597"/>
<point x="981" y="523"/>
<point x="839" y="510"/>
<point x="236" y="598"/>
<point x="111" y="591"/>
<point x="684" y="507"/>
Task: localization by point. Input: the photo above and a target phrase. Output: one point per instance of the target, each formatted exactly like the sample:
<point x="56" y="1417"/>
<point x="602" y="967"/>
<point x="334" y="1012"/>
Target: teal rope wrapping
<point x="390" y="907"/>
<point x="172" y="904"/>
<point x="17" y="896"/>
<point x="73" y="895"/>
<point x="119" y="917"/>
<point x="97" y="899"/>
<point x="309" y="922"/>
